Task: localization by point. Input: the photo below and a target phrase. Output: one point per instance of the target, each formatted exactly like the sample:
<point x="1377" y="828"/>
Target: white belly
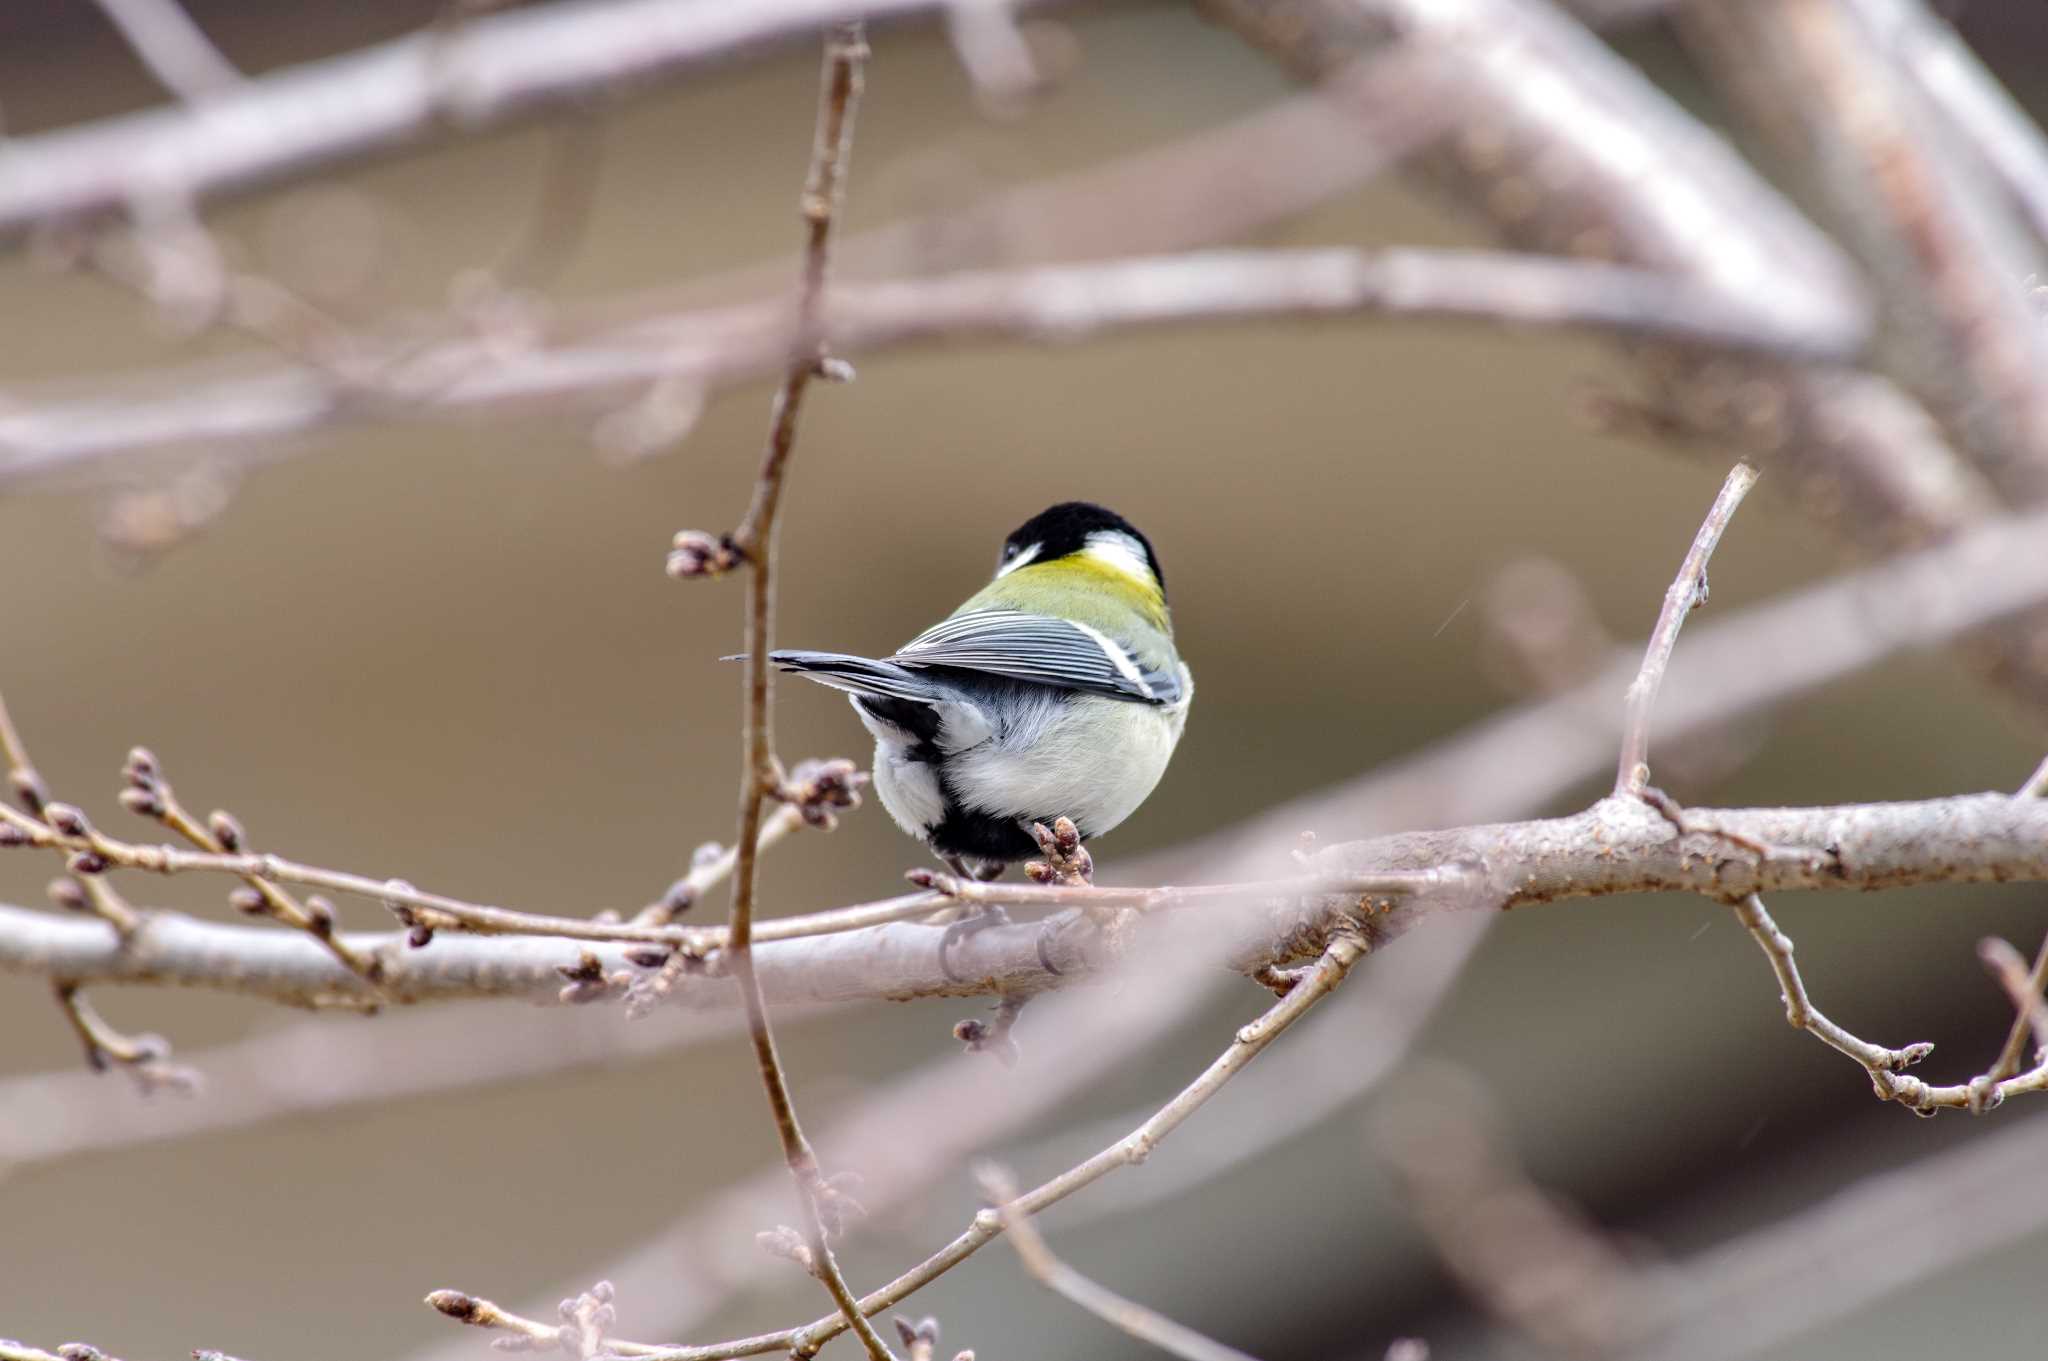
<point x="1095" y="764"/>
<point x="1092" y="759"/>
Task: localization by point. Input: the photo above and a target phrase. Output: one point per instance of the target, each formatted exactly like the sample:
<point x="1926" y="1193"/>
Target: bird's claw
<point x="994" y="914"/>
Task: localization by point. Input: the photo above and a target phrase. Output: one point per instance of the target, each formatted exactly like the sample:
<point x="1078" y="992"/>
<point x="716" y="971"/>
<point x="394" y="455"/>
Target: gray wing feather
<point x="1040" y="649"/>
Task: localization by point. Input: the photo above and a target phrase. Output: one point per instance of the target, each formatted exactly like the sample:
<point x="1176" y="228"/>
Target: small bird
<point x="1054" y="691"/>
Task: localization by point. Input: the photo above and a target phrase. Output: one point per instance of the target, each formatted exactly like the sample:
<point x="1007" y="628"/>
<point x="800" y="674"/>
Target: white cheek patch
<point x="1114" y="548"/>
<point x="1020" y="560"/>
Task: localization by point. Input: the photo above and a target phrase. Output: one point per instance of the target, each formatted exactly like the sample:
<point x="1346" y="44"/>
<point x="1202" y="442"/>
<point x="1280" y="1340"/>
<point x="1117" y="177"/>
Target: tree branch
<point x="715" y="349"/>
<point x="1126" y="1316"/>
<point x="1687" y="593"/>
<point x="760" y="777"/>
<point x="1616" y="846"/>
<point x="307" y="118"/>
<point x="1133" y="1148"/>
<point x="1628" y="175"/>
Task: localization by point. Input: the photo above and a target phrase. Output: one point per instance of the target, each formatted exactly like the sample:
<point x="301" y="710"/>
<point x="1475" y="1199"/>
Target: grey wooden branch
<point x="1619" y="845"/>
<point x="1918" y="211"/>
<point x="1626" y="174"/>
<point x="306" y="118"/>
<point x="720" y="347"/>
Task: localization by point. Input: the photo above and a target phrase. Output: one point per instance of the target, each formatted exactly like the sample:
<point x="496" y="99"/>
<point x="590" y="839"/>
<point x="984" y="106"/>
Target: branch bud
<point x="66" y="820"/>
<point x="143" y="801"/>
<point x="226" y="830"/>
<point x="693" y="553"/>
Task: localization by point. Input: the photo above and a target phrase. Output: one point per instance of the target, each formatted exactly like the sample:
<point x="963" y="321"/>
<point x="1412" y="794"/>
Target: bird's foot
<point x="992" y="914"/>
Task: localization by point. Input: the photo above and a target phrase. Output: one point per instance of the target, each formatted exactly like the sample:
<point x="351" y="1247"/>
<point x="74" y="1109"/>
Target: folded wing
<point x="1043" y="650"/>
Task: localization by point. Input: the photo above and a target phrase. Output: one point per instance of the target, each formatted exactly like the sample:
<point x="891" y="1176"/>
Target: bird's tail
<point x="859" y="675"/>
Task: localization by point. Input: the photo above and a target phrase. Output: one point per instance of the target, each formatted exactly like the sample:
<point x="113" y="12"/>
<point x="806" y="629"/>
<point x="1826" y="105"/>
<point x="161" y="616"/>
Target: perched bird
<point x="1054" y="691"/>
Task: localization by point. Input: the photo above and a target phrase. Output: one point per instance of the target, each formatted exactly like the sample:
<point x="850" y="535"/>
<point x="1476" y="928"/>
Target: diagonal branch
<point x="172" y="46"/>
<point x="1133" y="1148"/>
<point x="1127" y="1316"/>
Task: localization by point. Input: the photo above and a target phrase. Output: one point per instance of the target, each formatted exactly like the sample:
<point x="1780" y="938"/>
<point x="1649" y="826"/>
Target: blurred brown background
<point x="448" y="652"/>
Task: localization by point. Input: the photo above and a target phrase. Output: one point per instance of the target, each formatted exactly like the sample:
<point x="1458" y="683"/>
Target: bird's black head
<point x="1075" y="527"/>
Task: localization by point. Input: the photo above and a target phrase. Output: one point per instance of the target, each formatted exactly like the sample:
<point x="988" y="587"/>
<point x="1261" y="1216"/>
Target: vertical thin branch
<point x="754" y="541"/>
<point x="27" y="786"/>
<point x="1688" y="591"/>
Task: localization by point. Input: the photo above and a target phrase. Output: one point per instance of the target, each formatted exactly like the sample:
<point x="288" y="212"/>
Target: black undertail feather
<point x="981" y="836"/>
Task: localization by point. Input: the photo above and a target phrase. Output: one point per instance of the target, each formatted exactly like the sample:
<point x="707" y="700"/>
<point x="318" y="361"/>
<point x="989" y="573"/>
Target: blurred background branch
<point x="1854" y="315"/>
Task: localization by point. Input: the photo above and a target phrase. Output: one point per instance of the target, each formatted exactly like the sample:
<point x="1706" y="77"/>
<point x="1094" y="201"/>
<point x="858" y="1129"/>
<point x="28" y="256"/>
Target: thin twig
<point x="754" y="541"/>
<point x="1127" y="1316"/>
<point x="2024" y="986"/>
<point x="436" y="911"/>
<point x="172" y="46"/>
<point x="147" y="1058"/>
<point x="1885" y="1066"/>
<point x="2036" y="786"/>
<point x="1133" y="1148"/>
<point x="149" y="794"/>
<point x="1688" y="591"/>
<point x="581" y="1332"/>
<point x="22" y="778"/>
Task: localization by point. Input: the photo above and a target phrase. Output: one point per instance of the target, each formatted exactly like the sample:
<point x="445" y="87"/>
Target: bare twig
<point x="1337" y="1059"/>
<point x="23" y="781"/>
<point x="1887" y="1066"/>
<point x="1127" y="1316"/>
<point x="1916" y="210"/>
<point x="1615" y="846"/>
<point x="292" y="122"/>
<point x="581" y="1333"/>
<point x="1688" y="591"/>
<point x="2036" y="786"/>
<point x="754" y="542"/>
<point x="146" y="1058"/>
<point x="1133" y="1148"/>
<point x="149" y="794"/>
<point x="2030" y="1012"/>
<point x="713" y="349"/>
<point x="174" y="49"/>
<point x="422" y="911"/>
<point x="1630" y="176"/>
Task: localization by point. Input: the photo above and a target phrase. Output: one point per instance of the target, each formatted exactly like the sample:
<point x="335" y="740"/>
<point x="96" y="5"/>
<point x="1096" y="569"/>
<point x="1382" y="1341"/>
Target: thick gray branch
<point x="1620" y="845"/>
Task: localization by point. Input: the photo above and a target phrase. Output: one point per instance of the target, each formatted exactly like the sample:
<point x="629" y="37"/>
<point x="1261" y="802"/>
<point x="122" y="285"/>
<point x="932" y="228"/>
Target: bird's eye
<point x="1009" y="551"/>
